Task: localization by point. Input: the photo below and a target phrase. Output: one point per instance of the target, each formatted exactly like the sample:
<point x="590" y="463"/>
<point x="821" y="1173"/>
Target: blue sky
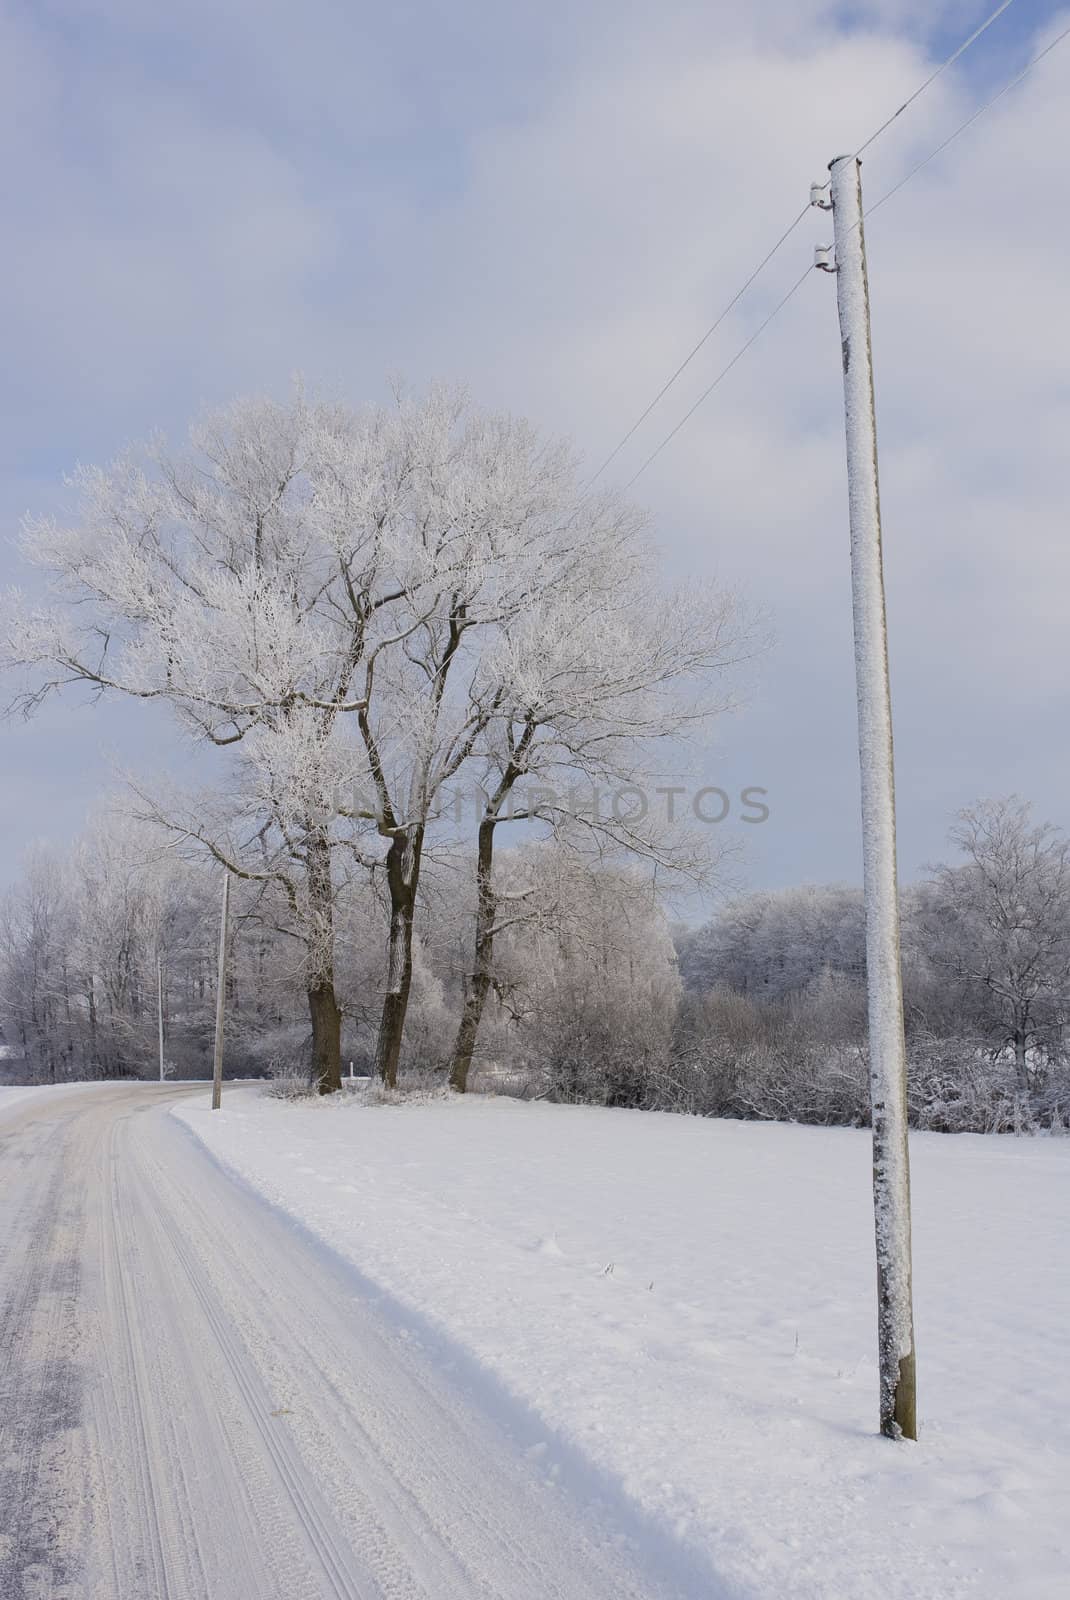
<point x="551" y="202"/>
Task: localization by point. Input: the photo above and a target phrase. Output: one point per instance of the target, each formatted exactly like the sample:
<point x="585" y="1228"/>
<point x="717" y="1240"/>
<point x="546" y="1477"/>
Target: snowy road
<point x="197" y="1404"/>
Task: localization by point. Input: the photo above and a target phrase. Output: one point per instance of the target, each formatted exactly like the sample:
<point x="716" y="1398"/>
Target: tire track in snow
<point x="334" y="1560"/>
<point x="451" y="1497"/>
<point x="203" y="1523"/>
<point x="128" y="1381"/>
<point x="254" y="1428"/>
<point x="39" y="1408"/>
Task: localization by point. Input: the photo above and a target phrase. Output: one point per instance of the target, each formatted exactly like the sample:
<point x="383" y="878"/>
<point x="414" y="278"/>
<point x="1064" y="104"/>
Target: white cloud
<point x="555" y="206"/>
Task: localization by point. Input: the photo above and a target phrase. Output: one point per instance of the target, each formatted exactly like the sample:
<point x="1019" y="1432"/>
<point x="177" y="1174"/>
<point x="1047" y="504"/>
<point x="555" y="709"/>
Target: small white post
<point x="220" y="997"/>
<point x="887" y="1046"/>
<point x="159" y="1007"/>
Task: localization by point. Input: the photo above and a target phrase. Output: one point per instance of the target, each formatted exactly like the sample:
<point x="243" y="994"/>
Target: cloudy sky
<point x="552" y="201"/>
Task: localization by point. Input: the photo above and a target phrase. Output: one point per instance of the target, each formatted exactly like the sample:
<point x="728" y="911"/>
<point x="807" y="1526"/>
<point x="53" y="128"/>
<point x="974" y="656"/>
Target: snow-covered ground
<point x="14" y="1097"/>
<point x="683" y="1310"/>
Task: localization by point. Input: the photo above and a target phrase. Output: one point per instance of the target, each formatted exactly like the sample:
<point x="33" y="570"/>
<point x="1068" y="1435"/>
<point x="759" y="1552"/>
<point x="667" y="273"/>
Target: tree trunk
<point x="322" y="1003"/>
<point x="1021" y="1065"/>
<point x="402" y="876"/>
<point x="326" y="1036"/>
<point x="479" y="978"/>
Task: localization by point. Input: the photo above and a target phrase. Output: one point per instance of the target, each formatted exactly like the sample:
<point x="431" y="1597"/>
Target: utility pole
<point x="887" y="1045"/>
<point x="159" y="1006"/>
<point x="220" y="997"/>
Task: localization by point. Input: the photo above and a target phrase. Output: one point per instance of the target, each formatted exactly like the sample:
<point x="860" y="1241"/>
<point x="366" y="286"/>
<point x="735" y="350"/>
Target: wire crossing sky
<point x="924" y="162"/>
<point x="955" y="55"/>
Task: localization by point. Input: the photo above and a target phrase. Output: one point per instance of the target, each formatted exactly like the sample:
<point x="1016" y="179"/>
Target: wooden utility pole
<point x="220" y="997"/>
<point x="887" y="1045"/>
<point x="159" y="1007"/>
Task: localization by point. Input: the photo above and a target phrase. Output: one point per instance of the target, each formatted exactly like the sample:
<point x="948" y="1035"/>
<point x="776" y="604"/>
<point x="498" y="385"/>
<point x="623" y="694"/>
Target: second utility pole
<point x="887" y="1046"/>
<point x="220" y="997"/>
<point x="159" y="1007"/>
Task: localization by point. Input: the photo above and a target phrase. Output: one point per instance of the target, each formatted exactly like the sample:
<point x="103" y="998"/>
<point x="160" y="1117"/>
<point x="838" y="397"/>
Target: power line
<point x="991" y="101"/>
<point x="920" y="90"/>
<point x="1010" y="84"/>
<point x="725" y="370"/>
<point x="693" y="352"/>
<point x="764" y="262"/>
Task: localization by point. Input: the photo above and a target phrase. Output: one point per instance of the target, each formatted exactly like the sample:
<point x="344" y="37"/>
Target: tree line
<point x="591" y="995"/>
<point x="582" y="995"/>
<point x="774" y="1019"/>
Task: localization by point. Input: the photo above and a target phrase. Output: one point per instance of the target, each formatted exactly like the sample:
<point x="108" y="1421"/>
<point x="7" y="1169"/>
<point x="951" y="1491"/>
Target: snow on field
<point x="11" y="1099"/>
<point x="14" y="1098"/>
<point x="688" y="1306"/>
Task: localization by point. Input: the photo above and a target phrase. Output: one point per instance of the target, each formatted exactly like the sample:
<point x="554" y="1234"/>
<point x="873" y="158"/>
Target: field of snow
<point x="14" y="1098"/>
<point x="682" y="1311"/>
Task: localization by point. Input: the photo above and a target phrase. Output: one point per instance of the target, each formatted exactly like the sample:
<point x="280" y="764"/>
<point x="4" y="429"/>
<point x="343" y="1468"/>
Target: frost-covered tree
<point x="999" y="925"/>
<point x="312" y="590"/>
<point x="80" y="935"/>
<point x="235" y="584"/>
<point x="499" y="520"/>
<point x="37" y="938"/>
<point x="591" y="679"/>
<point x="588" y="991"/>
<point x="774" y="943"/>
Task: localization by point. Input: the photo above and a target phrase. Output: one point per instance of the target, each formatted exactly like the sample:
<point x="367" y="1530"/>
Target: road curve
<point x="195" y="1405"/>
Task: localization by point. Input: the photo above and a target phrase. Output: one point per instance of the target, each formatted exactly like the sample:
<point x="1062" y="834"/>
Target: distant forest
<point x="760" y="1013"/>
